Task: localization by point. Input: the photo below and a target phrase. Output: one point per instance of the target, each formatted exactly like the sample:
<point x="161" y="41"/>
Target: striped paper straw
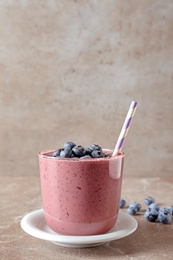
<point x="125" y="128"/>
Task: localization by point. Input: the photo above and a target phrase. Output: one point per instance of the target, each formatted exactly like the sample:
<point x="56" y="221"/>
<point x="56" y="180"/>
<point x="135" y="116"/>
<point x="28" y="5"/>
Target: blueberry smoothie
<point x="81" y="194"/>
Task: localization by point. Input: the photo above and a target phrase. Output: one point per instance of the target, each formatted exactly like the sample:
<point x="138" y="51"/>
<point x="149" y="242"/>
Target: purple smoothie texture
<point x="81" y="196"/>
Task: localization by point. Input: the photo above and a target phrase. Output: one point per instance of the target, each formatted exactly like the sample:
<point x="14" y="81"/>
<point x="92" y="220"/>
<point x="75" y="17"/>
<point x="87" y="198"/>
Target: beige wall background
<point x="69" y="70"/>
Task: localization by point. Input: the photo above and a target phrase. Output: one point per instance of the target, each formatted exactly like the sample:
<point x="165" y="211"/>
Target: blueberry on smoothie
<point x="66" y="153"/>
<point x="57" y="152"/>
<point x="69" y="145"/>
<point x="97" y="154"/>
<point x="78" y="151"/>
<point x="95" y="147"/>
<point x="88" y="151"/>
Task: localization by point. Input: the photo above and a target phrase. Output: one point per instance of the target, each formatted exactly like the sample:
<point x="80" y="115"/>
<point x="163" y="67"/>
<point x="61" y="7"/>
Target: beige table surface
<point x="21" y="195"/>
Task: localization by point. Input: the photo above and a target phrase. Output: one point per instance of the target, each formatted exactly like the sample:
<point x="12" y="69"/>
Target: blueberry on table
<point x="122" y="203"/>
<point x="135" y="205"/>
<point x="66" y="153"/>
<point x="69" y="145"/>
<point x="164" y="216"/>
<point x="57" y="152"/>
<point x="78" y="151"/>
<point x="151" y="214"/>
<point x="154" y="206"/>
<point x="132" y="211"/>
<point x="149" y="200"/>
<point x="170" y="208"/>
<point x="164" y="210"/>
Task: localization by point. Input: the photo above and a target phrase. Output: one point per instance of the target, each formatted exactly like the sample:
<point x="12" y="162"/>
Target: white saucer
<point x="35" y="225"/>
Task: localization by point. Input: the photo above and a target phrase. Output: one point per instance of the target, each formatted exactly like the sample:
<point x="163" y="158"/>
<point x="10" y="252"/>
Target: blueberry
<point x="154" y="206"/>
<point x="164" y="216"/>
<point x="165" y="211"/>
<point x="78" y="151"/>
<point x="170" y="208"/>
<point x="149" y="200"/>
<point x="87" y="156"/>
<point x="57" y="153"/>
<point x="69" y="145"/>
<point x="66" y="153"/>
<point x="122" y="203"/>
<point x="95" y="147"/>
<point x="151" y="214"/>
<point x="132" y="211"/>
<point x="88" y="151"/>
<point x="135" y="205"/>
<point x="97" y="154"/>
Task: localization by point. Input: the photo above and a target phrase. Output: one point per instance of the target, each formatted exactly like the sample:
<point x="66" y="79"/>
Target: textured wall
<point x="69" y="70"/>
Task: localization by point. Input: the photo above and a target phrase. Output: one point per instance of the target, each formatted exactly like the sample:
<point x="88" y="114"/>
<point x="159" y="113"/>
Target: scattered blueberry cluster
<point x="71" y="150"/>
<point x="153" y="212"/>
